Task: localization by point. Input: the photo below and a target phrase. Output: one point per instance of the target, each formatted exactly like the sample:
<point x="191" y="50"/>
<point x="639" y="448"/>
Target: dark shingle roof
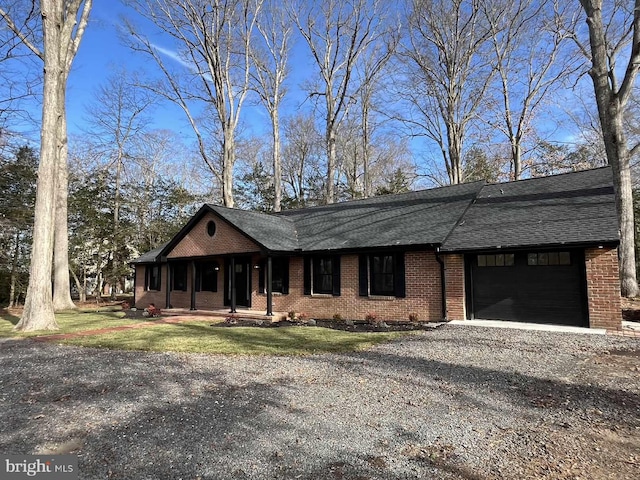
<point x="272" y="232"/>
<point x="571" y="208"/>
<point x="415" y="218"/>
<point x="151" y="256"/>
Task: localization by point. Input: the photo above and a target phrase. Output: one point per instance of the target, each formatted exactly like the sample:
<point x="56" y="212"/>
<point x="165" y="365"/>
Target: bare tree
<point x="338" y="33"/>
<point x="609" y="38"/>
<point x="269" y="76"/>
<point x="20" y="72"/>
<point x="302" y="161"/>
<point x="527" y="55"/>
<point x="214" y="47"/>
<point x="448" y="76"/>
<point x="63" y="24"/>
<point x="117" y="118"/>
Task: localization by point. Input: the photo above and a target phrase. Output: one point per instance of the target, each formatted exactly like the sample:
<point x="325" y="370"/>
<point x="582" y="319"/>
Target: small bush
<point x="292" y="315"/>
<point x="302" y="317"/>
<point x="371" y="318"/>
<point x="337" y="317"/>
<point x="413" y="317"/>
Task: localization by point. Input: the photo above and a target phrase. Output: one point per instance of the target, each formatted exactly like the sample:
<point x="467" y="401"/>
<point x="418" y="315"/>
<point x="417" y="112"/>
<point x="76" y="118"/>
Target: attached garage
<point x="541" y="250"/>
<point x="528" y="286"/>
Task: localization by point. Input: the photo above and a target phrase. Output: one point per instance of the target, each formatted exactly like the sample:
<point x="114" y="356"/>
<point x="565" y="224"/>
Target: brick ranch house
<point x="537" y="250"/>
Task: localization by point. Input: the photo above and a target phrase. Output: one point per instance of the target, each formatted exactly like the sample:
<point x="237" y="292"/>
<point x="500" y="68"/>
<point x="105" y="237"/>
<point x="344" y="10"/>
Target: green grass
<point x="69" y="322"/>
<point x="201" y="337"/>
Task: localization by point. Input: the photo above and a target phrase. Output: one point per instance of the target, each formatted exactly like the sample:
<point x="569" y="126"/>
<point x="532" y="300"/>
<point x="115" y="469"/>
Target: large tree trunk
<point x="611" y="101"/>
<point x="61" y="284"/>
<point x="618" y="157"/>
<point x="38" y="308"/>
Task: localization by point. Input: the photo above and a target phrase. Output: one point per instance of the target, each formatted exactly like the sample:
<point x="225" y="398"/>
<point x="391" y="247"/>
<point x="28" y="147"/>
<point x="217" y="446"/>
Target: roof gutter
<point x="443" y="285"/>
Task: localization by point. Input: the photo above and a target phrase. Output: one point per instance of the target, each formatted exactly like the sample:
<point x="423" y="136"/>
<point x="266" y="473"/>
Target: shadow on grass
<point x="9" y="317"/>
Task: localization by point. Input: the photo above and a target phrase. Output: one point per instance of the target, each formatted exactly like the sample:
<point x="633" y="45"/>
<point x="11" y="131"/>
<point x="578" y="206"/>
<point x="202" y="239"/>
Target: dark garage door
<point x="540" y="287"/>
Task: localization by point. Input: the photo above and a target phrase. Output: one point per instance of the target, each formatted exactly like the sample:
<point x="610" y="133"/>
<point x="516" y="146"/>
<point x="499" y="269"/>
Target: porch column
<point x="193" y="285"/>
<point x="232" y="283"/>
<point x="168" y="293"/>
<point x="269" y="288"/>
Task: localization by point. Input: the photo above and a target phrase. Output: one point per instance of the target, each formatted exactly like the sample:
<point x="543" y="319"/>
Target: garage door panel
<point x="529" y="293"/>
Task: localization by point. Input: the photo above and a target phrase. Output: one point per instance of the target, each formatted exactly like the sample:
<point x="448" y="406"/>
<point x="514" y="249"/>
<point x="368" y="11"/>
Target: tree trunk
<point x="618" y="156"/>
<point x="228" y="160"/>
<point x="115" y="247"/>
<point x="611" y="103"/>
<point x="331" y="164"/>
<point x="277" y="162"/>
<point x="61" y="284"/>
<point x="38" y="308"/>
<point x="82" y="293"/>
<point x="14" y="271"/>
<point x="516" y="156"/>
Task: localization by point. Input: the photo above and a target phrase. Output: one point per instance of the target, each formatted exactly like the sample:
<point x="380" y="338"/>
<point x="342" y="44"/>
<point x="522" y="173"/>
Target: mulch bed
<point x="357" y="326"/>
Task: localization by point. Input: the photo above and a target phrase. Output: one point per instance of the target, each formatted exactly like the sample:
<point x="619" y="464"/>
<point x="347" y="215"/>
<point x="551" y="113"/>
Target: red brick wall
<point x="455" y="293"/>
<point x="423" y="293"/>
<point x="144" y="298"/>
<point x="422" y="274"/>
<point x="198" y="243"/>
<point x="603" y="288"/>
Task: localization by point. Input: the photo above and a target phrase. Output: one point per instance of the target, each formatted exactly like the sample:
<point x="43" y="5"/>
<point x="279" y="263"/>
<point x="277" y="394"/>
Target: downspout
<point x="443" y="285"/>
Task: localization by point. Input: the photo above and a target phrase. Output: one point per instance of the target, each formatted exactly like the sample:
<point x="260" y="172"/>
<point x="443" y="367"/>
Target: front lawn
<point x="201" y="337"/>
<point x="69" y="322"/>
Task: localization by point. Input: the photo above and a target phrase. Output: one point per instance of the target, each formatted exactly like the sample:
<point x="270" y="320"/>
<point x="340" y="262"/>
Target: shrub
<point x="292" y="315"/>
<point x="371" y="318"/>
<point x="302" y="316"/>
<point x="413" y="317"/>
<point x="337" y="317"/>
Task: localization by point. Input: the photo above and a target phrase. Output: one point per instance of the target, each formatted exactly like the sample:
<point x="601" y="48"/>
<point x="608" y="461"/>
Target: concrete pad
<point x="529" y="326"/>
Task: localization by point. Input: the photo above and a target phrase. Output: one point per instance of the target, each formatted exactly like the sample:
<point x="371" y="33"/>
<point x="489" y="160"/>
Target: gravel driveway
<point x="458" y="402"/>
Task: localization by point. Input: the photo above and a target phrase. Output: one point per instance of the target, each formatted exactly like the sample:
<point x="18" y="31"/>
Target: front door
<point x="242" y="280"/>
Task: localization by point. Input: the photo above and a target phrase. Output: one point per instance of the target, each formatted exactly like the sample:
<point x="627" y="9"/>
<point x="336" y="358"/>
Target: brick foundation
<point x="603" y="288"/>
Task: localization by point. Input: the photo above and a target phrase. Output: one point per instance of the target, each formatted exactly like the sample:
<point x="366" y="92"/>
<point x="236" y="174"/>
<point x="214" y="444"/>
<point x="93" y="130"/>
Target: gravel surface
<point x="458" y="402"/>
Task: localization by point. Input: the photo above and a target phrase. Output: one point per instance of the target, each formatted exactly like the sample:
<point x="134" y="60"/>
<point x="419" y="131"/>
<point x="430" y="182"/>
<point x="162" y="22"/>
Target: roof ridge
<point x="548" y="176"/>
<point x="373" y="197"/>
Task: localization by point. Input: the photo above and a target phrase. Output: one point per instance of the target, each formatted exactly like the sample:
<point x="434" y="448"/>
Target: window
<point x="179" y="276"/>
<point x="211" y="228"/>
<point x="207" y="277"/>
<point x="279" y="275"/>
<point x="549" y="259"/>
<point x="496" y="260"/>
<point x="152" y="277"/>
<point x="322" y="275"/>
<point x="382" y="274"/>
<point x="381" y="269"/>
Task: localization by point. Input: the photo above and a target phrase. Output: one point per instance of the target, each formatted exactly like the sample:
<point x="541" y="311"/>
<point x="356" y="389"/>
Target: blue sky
<point x="101" y="51"/>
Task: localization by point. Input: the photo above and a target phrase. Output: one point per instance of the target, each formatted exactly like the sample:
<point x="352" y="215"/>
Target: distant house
<point x="537" y="250"/>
